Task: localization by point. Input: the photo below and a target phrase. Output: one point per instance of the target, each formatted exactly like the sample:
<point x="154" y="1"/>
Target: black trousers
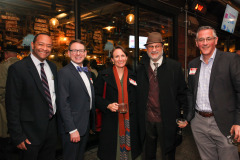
<point x="46" y="150"/>
<point x="153" y="144"/>
<point x="7" y="150"/>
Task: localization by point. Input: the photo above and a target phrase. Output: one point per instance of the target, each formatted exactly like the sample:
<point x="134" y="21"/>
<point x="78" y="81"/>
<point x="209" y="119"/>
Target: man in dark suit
<point x="214" y="98"/>
<point x="76" y="103"/>
<point x="30" y="102"/>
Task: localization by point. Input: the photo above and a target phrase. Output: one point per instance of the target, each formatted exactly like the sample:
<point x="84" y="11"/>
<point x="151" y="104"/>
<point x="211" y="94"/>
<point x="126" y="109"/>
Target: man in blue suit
<point x="76" y="103"/>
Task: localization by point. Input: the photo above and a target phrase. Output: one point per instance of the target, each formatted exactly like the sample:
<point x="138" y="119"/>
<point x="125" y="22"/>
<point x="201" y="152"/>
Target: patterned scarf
<point x="123" y="119"/>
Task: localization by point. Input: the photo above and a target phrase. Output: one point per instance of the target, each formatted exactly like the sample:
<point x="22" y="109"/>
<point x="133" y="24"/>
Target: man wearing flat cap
<point x="10" y="57"/>
<point x="161" y="94"/>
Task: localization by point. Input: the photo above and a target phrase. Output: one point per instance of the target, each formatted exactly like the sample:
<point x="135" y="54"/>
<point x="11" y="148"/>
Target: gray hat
<point x="154" y="37"/>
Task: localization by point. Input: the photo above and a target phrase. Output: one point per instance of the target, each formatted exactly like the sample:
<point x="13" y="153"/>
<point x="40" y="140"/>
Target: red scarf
<point x="123" y="119"/>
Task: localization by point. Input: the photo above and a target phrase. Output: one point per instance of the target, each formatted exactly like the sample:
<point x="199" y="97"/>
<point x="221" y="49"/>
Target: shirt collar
<point x="211" y="58"/>
<point x="75" y="64"/>
<point x="36" y="61"/>
<point x="159" y="61"/>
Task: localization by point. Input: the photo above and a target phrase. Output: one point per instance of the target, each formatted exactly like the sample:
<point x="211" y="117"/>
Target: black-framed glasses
<point x="208" y="39"/>
<point x="75" y="51"/>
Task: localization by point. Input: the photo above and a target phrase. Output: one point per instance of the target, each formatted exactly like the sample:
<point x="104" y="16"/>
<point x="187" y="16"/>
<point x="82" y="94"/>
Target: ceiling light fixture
<point x="53" y="22"/>
<point x="109" y="28"/>
<point x="130" y="18"/>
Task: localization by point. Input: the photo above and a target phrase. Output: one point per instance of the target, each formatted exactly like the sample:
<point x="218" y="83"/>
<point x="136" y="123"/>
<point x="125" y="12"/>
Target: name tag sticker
<point x="91" y="80"/>
<point x="132" y="82"/>
<point x="192" y="71"/>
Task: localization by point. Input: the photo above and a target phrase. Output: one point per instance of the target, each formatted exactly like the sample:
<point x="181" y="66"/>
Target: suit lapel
<point x="109" y="78"/>
<point x="54" y="72"/>
<point x="198" y="66"/>
<point x="33" y="70"/>
<point x="213" y="71"/>
<point x="77" y="75"/>
<point x="91" y="83"/>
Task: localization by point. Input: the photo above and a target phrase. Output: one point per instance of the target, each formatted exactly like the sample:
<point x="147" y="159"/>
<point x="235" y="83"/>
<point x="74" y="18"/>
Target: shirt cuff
<point x="72" y="131"/>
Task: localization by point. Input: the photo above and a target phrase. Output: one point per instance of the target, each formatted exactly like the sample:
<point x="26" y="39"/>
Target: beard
<point x="155" y="58"/>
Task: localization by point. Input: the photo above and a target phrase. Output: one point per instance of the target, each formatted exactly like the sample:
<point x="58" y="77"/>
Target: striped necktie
<point x="46" y="90"/>
<point x="155" y="70"/>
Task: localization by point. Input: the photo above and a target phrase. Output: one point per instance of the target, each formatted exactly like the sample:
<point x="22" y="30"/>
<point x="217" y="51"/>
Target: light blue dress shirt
<point x="202" y="102"/>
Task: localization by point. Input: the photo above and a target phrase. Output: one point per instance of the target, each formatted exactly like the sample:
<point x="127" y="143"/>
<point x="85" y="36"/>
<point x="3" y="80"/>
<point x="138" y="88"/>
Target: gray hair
<point x="204" y="28"/>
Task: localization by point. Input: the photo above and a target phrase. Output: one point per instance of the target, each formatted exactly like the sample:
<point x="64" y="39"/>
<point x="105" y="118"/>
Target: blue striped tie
<point x="46" y="90"/>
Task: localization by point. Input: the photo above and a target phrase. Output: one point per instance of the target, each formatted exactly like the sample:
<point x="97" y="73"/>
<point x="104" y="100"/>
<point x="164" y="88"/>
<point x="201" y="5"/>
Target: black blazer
<point x="108" y="136"/>
<point x="224" y="89"/>
<point x="74" y="101"/>
<point x="26" y="103"/>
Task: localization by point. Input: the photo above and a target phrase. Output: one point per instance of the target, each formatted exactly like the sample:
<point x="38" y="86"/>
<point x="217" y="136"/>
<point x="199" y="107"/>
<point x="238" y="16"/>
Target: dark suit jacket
<point x="26" y="103"/>
<point x="224" y="89"/>
<point x="108" y="136"/>
<point x="74" y="101"/>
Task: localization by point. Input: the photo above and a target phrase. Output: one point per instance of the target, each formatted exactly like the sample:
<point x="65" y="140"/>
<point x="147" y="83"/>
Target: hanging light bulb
<point x="54" y="22"/>
<point x="130" y="18"/>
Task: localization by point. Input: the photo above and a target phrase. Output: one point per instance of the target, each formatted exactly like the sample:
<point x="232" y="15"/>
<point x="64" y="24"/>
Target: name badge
<point x="192" y="71"/>
<point x="132" y="82"/>
<point x="91" y="80"/>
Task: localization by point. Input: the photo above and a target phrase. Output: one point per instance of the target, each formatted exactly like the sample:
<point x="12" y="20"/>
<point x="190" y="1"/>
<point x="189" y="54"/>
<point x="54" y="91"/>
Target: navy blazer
<point x="74" y="101"/>
<point x="224" y="89"/>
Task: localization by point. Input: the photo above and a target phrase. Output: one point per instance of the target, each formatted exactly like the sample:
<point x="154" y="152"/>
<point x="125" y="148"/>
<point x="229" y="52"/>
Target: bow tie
<point x="82" y="69"/>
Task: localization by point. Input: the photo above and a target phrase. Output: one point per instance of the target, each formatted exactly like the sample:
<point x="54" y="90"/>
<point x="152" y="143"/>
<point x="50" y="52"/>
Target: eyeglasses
<point x="152" y="47"/>
<point x="208" y="39"/>
<point x="75" y="51"/>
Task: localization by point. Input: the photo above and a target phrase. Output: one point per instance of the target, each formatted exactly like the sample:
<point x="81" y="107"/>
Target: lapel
<point x="91" y="83"/>
<point x="198" y="66"/>
<point x="132" y="76"/>
<point x="77" y="75"/>
<point x="33" y="71"/>
<point x="146" y="64"/>
<point x="214" y="67"/>
<point x="54" y="72"/>
<point x="109" y="77"/>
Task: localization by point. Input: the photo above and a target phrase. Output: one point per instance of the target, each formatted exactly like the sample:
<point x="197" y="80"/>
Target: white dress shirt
<point x="50" y="78"/>
<point x="159" y="62"/>
<point x="88" y="86"/>
<point x="202" y="102"/>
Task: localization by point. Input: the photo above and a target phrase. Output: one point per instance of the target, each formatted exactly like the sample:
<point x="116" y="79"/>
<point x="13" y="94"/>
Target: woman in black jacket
<point x="119" y="134"/>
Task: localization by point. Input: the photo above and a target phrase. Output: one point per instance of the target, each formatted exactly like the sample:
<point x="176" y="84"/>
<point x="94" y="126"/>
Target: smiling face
<point x="77" y="53"/>
<point x="155" y="51"/>
<point x="206" y="42"/>
<point x="119" y="58"/>
<point x="42" y="47"/>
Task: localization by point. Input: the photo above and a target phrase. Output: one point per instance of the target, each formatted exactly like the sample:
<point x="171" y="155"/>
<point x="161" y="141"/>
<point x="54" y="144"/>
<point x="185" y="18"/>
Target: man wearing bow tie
<point x="76" y="103"/>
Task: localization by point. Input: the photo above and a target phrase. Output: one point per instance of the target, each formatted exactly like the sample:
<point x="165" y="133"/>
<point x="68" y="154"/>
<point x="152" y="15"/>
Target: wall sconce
<point x="130" y="18"/>
<point x="109" y="28"/>
<point x="53" y="22"/>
